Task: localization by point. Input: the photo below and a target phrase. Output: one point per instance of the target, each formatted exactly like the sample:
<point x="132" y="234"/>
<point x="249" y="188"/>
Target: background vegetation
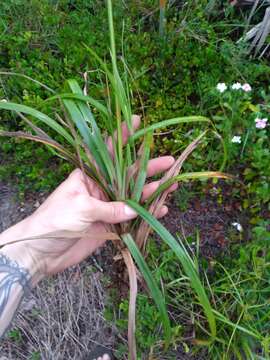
<point x="175" y="75"/>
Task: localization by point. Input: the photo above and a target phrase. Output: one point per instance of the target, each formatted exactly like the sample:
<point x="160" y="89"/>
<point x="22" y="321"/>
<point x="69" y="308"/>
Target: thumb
<point x="111" y="212"/>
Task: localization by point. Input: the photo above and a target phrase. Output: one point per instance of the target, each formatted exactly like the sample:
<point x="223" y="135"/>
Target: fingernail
<point x="136" y="119"/>
<point x="130" y="212"/>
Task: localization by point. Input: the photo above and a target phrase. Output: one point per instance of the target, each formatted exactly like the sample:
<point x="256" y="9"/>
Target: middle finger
<point x="160" y="164"/>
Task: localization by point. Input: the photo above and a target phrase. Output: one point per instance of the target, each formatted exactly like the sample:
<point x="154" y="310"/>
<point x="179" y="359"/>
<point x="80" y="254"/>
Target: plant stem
<point x="115" y="73"/>
<point x="162" y="19"/>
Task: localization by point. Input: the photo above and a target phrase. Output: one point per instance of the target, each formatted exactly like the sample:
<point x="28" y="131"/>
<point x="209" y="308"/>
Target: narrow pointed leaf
<point x="193" y="176"/>
<point x="44" y="140"/>
<point x="165" y="123"/>
<point x="61" y="152"/>
<point x="185" y="260"/>
<point x="85" y="98"/>
<point x="144" y="229"/>
<point x="94" y="136"/>
<point x="8" y="73"/>
<point x="77" y="118"/>
<point x="133" y="288"/>
<point x="40" y="116"/>
<point x="142" y="172"/>
<point x="151" y="283"/>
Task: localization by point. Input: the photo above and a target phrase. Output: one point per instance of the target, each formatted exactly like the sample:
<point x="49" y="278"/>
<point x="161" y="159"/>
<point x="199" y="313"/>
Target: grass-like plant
<point x="122" y="176"/>
<point x="162" y="16"/>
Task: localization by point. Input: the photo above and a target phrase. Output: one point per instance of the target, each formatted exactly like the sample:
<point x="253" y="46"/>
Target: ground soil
<point x="212" y="214"/>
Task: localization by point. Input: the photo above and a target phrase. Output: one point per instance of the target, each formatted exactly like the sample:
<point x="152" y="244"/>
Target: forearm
<point x="18" y="273"/>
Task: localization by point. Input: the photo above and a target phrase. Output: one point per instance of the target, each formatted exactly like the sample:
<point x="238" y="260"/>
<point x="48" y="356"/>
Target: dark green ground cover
<point x="171" y="76"/>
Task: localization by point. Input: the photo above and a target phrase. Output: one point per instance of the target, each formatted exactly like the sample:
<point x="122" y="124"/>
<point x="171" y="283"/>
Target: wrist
<point x="22" y="230"/>
<point x="23" y="256"/>
<point x="21" y="251"/>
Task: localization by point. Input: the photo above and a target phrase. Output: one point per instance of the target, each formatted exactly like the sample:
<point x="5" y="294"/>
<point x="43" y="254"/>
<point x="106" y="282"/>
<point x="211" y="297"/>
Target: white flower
<point x="246" y="87"/>
<point x="236" y="86"/>
<point x="221" y="87"/>
<point x="261" y="123"/>
<point x="237" y="226"/>
<point x="236" y="139"/>
<point x="3" y="100"/>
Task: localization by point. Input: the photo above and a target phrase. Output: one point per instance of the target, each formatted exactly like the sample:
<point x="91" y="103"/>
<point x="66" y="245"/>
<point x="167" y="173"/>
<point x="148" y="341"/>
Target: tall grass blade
<point x="117" y="86"/>
<point x="144" y="230"/>
<point x="165" y="123"/>
<point x="225" y="320"/>
<point x="122" y="106"/>
<point x="186" y="176"/>
<point x="77" y="118"/>
<point x="86" y="98"/>
<point x="151" y="283"/>
<point x="162" y="18"/>
<point x="185" y="260"/>
<point x="61" y="152"/>
<point x="44" y="140"/>
<point x="35" y="128"/>
<point x="117" y="91"/>
<point x="142" y="171"/>
<point x="40" y="116"/>
<point x="8" y="73"/>
<point x="133" y="288"/>
<point x="93" y="136"/>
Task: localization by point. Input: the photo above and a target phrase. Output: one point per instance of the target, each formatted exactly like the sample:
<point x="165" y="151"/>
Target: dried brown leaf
<point x="132" y="303"/>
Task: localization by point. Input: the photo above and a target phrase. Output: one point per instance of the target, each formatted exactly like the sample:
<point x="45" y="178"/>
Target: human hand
<point x="78" y="205"/>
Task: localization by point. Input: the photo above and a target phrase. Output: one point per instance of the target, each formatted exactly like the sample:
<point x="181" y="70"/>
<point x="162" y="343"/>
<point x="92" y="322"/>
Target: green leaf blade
<point x="38" y="115"/>
<point x="142" y="173"/>
<point x="151" y="283"/>
<point x="82" y="116"/>
<point x="169" y="122"/>
<point x="185" y="260"/>
<point x="188" y="176"/>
